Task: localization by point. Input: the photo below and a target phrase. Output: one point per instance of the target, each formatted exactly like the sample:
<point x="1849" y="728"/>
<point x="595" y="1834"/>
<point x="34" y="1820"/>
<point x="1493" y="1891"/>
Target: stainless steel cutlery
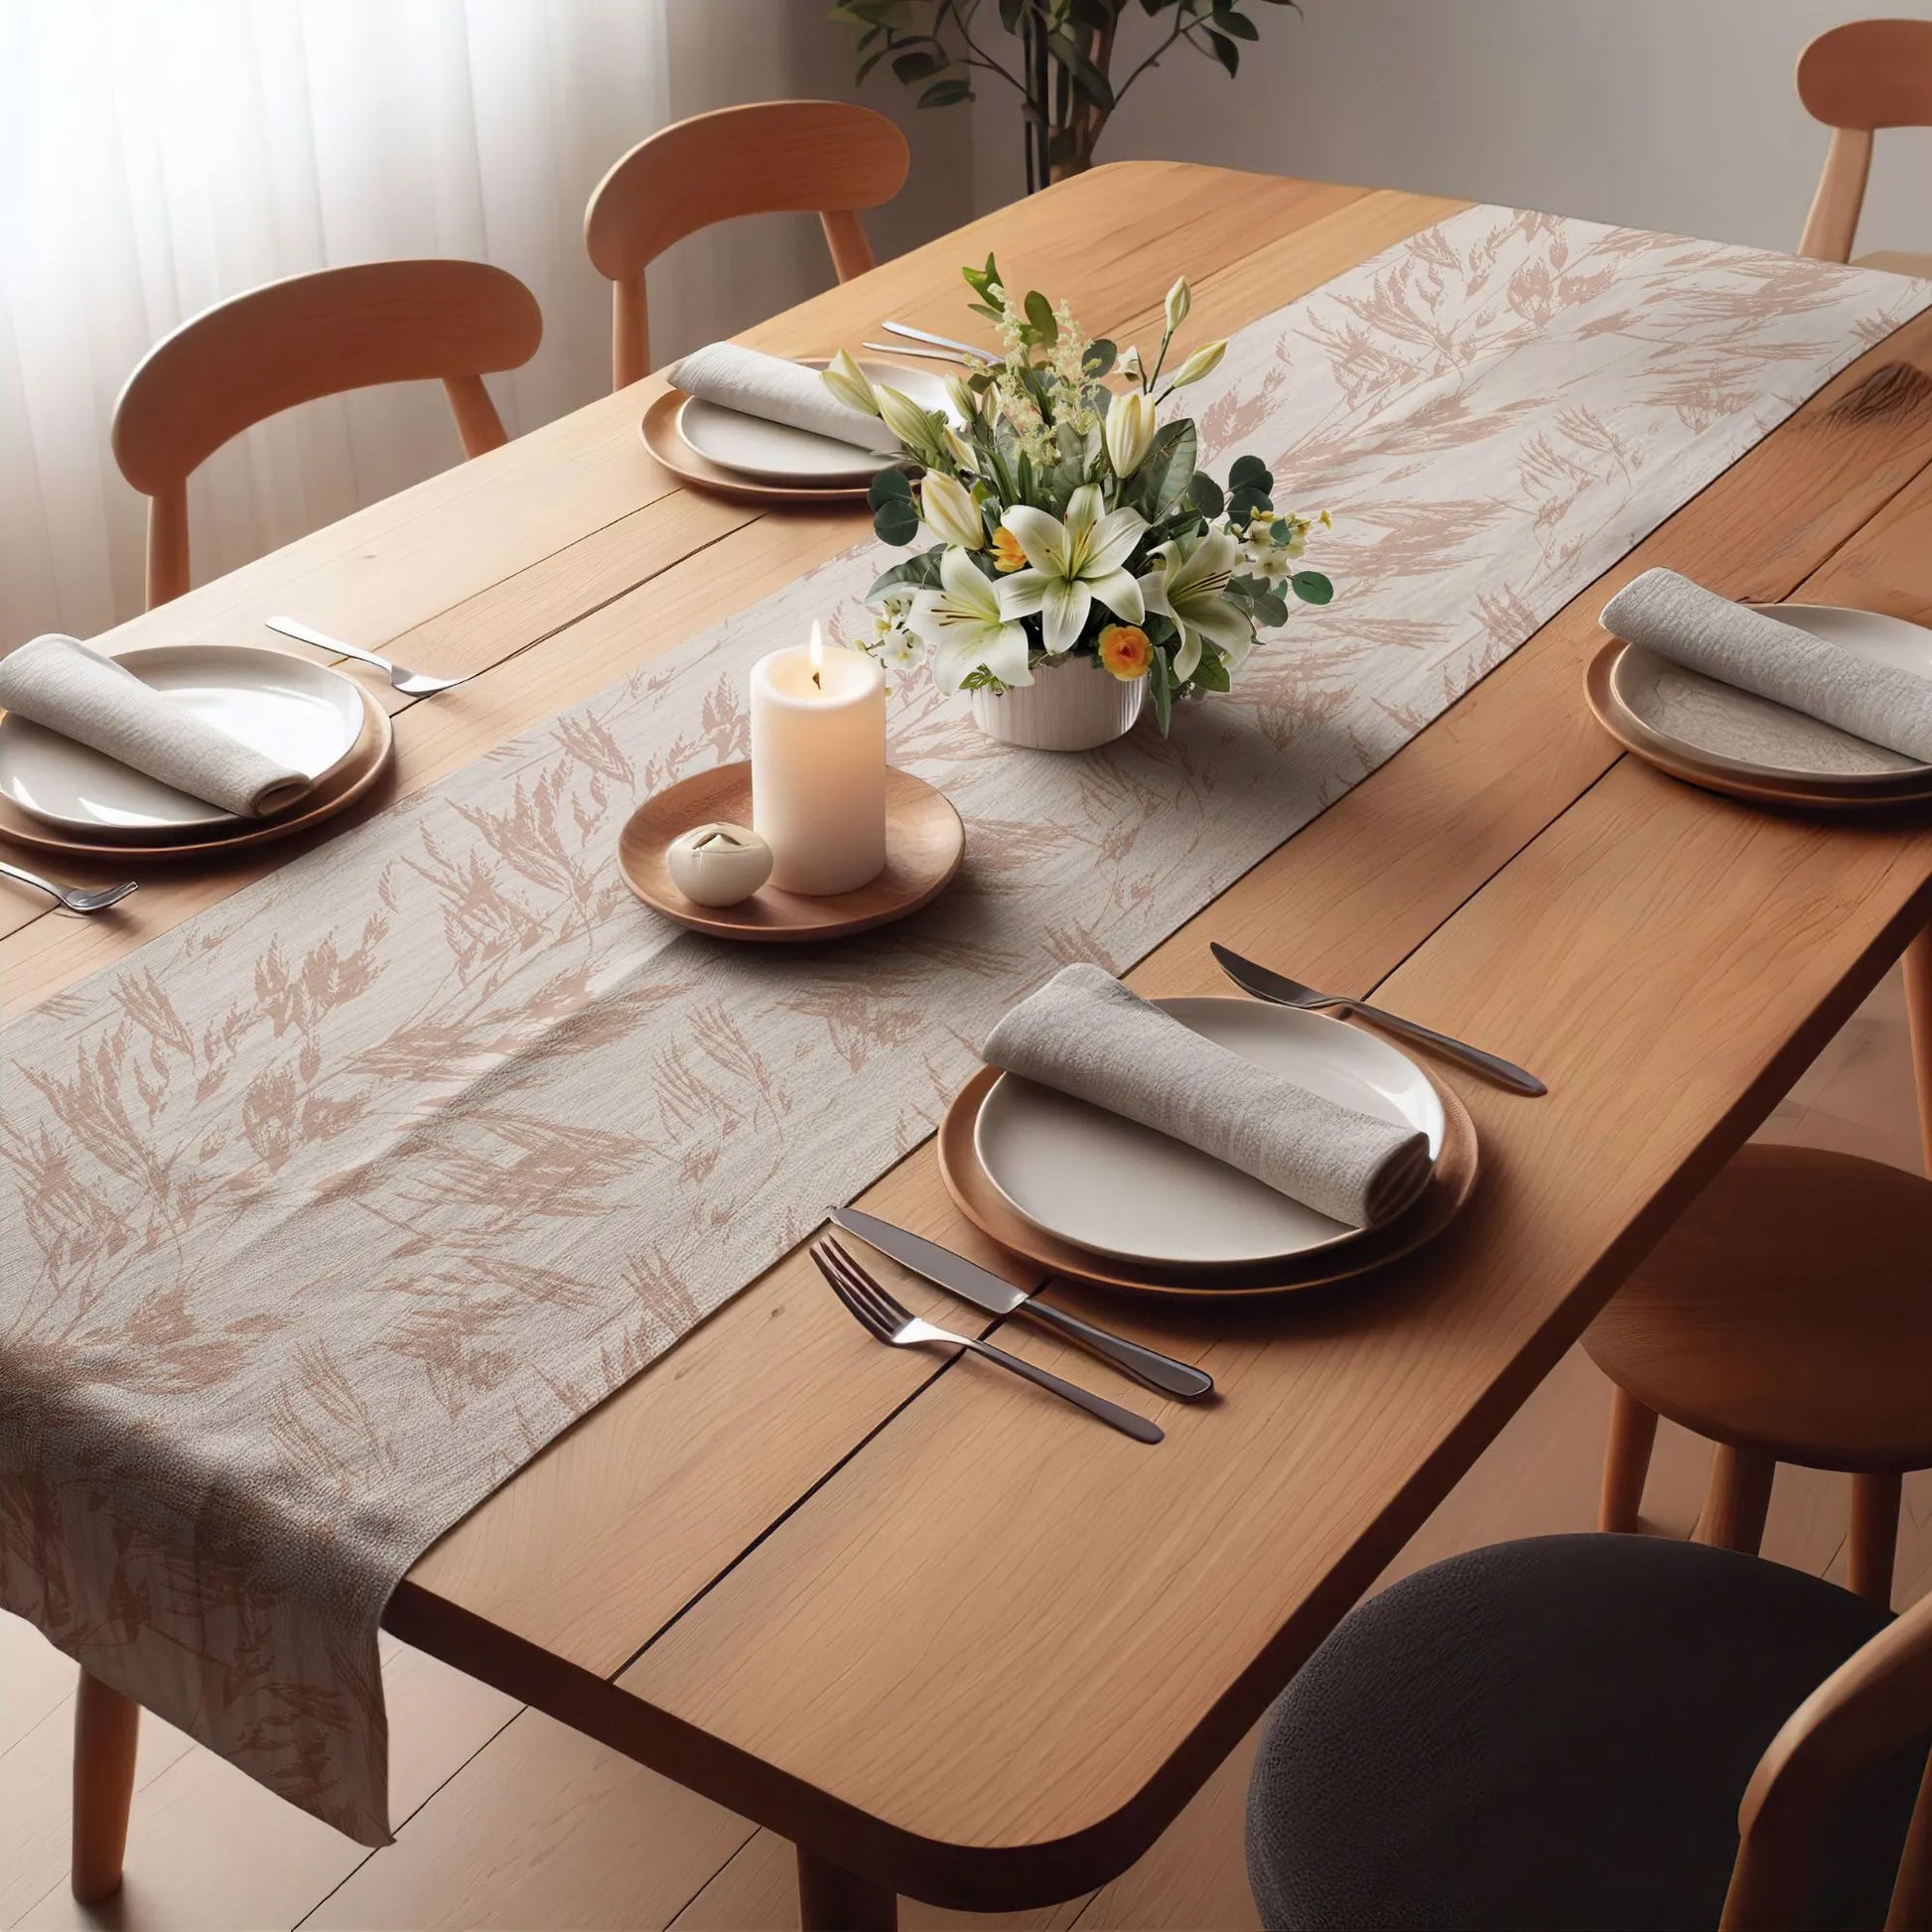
<point x="886" y="1320"/>
<point x="985" y="1290"/>
<point x="906" y="330"/>
<point x="76" y="898"/>
<point x="1285" y="992"/>
<point x="412" y="684"/>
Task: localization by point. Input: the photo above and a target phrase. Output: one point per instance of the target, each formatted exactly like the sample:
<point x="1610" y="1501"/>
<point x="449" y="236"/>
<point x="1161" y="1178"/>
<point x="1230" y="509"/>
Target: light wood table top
<point x="897" y="1610"/>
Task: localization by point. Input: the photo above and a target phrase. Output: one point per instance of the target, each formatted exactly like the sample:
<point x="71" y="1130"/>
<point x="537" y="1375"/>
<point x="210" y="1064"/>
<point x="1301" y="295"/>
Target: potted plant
<point x="1062" y="67"/>
<point x="1079" y="564"/>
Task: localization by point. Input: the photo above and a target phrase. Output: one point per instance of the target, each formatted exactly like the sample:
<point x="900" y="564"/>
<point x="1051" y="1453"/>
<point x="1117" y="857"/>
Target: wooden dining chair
<point x="822" y="156"/>
<point x="1787" y="1317"/>
<point x="1857" y="78"/>
<point x="311" y="336"/>
<point x="1597" y="1732"/>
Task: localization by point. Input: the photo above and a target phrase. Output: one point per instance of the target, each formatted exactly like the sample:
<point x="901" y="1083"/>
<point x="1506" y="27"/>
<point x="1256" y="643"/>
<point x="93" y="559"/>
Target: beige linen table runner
<point x="325" y="1210"/>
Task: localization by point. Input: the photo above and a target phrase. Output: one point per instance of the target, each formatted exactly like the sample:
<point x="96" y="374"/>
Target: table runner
<point x="327" y="1209"/>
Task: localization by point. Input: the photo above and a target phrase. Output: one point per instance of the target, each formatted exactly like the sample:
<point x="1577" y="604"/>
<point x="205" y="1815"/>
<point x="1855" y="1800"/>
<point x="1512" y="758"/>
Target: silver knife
<point x="972" y="1283"/>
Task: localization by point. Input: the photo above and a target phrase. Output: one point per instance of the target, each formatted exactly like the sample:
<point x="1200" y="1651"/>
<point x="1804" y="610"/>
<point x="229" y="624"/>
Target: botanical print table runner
<point x="325" y="1211"/>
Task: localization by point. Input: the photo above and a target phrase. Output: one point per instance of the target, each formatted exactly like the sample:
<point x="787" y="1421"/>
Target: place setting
<point x="1813" y="705"/>
<point x="760" y="428"/>
<point x="178" y="751"/>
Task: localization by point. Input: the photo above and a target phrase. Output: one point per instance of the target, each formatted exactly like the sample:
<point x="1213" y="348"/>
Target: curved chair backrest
<point x="822" y="156"/>
<point x="294" y="340"/>
<point x="1863" y="76"/>
<point x="1877" y="1702"/>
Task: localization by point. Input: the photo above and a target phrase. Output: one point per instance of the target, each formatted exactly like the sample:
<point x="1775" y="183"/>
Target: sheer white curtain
<point x="158" y="157"/>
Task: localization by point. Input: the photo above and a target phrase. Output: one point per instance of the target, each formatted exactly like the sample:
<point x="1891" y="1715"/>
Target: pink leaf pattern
<point x="325" y="1210"/>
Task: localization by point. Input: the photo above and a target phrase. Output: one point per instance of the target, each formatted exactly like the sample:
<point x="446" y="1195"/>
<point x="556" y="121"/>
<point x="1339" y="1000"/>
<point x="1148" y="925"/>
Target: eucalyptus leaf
<point x="1247" y="469"/>
<point x="895" y="521"/>
<point x="887" y="485"/>
<point x="921" y="573"/>
<point x="1205" y="493"/>
<point x="1099" y="359"/>
<point x="1312" y="586"/>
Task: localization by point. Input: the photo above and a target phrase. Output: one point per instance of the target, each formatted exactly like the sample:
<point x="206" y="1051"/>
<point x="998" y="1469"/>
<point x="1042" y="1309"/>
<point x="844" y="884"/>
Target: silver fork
<point x="412" y="684"/>
<point x="883" y="1319"/>
<point x="74" y="897"/>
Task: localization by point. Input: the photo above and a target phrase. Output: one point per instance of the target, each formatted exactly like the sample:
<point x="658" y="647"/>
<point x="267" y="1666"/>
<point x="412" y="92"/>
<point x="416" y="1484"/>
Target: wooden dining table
<point x="896" y="1607"/>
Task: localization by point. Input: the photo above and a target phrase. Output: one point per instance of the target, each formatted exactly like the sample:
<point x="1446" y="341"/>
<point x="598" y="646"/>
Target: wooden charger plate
<point x="974" y="1194"/>
<point x="924" y="845"/>
<point x="1757" y="784"/>
<point x="352" y="778"/>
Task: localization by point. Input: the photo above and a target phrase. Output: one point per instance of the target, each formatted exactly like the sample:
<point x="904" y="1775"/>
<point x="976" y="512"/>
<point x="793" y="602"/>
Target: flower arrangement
<point x="1069" y="520"/>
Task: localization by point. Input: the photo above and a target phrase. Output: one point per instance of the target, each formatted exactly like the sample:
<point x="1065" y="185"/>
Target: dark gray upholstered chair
<point x="1571" y="1731"/>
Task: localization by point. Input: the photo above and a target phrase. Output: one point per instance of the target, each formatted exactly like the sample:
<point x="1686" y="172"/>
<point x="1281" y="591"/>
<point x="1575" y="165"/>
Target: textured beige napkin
<point x="58" y="683"/>
<point x="1703" y="632"/>
<point x="756" y="384"/>
<point x="1086" y="1034"/>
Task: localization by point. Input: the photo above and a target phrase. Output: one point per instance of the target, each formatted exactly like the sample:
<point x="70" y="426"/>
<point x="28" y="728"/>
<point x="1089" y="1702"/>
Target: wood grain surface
<point x="901" y="1610"/>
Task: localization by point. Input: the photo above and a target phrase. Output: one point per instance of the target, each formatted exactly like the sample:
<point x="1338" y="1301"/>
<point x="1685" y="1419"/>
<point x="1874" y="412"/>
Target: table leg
<point x="1918" y="1015"/>
<point x="833" y="1899"/>
<point x="105" y="1728"/>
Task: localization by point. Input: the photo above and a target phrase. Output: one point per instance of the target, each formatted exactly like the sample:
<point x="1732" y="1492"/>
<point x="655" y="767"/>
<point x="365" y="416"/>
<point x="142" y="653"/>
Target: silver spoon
<point x="73" y="896"/>
<point x="412" y="684"/>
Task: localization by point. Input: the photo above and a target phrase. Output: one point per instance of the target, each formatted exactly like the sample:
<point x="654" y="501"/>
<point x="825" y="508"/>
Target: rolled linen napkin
<point x="1703" y="632"/>
<point x="756" y="384"/>
<point x="60" y="683"/>
<point x="1086" y="1034"/>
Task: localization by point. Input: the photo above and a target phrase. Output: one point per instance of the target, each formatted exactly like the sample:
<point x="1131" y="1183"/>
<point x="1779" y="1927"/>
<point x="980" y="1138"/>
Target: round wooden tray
<point x="924" y="843"/>
<point x="366" y="762"/>
<point x="983" y="1204"/>
<point x="1757" y="784"/>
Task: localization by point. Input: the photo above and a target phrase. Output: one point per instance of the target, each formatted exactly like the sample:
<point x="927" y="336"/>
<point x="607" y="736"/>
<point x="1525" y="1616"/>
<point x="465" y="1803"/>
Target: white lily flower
<point x="1192" y="589"/>
<point x="950" y="512"/>
<point x="1072" y="564"/>
<point x="850" y="383"/>
<point x="893" y="644"/>
<point x="1178" y="303"/>
<point x="1130" y="365"/>
<point x="917" y="428"/>
<point x="968" y="626"/>
<point x="1203" y="361"/>
<point x="1129" y="431"/>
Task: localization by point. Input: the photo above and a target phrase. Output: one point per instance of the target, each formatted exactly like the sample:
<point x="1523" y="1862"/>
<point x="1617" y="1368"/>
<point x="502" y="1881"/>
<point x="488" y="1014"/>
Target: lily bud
<point x="847" y="381"/>
<point x="1129" y="431"/>
<point x="917" y="428"/>
<point x="962" y="451"/>
<point x="1178" y="303"/>
<point x="959" y="392"/>
<point x="950" y="512"/>
<point x="1130" y="366"/>
<point x="1203" y="361"/>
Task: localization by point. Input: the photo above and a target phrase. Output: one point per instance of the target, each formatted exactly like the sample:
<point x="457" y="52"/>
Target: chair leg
<point x="106" y="1726"/>
<point x="1918" y="1017"/>
<point x="1737" y="1500"/>
<point x="833" y="1899"/>
<point x="1627" y="1462"/>
<point x="1874" y="1535"/>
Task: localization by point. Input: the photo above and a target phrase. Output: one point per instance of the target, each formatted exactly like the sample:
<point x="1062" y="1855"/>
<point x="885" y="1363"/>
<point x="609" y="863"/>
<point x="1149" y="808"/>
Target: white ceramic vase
<point x="1070" y="706"/>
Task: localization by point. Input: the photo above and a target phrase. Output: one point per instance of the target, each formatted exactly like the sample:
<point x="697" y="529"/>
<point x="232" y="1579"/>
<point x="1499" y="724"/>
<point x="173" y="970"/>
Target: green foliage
<point x="1167" y="468"/>
<point x="1060" y="66"/>
<point x="896" y="520"/>
<point x="1310" y="587"/>
<point x="921" y="573"/>
<point x="1206" y="495"/>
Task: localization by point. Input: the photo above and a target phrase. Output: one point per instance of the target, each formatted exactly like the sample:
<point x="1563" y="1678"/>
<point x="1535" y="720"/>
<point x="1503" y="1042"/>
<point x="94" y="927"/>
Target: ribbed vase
<point x="1071" y="706"/>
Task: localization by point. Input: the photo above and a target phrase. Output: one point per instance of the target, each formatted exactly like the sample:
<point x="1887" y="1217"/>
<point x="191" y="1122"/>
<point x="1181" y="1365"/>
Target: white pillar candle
<point x="818" y="767"/>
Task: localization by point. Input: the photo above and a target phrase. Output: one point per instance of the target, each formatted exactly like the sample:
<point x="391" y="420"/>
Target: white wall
<point x="1672" y="114"/>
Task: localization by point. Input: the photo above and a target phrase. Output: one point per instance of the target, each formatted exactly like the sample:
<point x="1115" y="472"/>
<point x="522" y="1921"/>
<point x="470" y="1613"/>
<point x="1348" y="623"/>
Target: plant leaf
<point x="1159" y="677"/>
<point x="895" y="521"/>
<point x="946" y="94"/>
<point x="1040" y="318"/>
<point x="1249" y="470"/>
<point x="1099" y="357"/>
<point x="1312" y="586"/>
<point x="887" y="487"/>
<point x="1167" y="468"/>
<point x="1205" y="493"/>
<point x="921" y="573"/>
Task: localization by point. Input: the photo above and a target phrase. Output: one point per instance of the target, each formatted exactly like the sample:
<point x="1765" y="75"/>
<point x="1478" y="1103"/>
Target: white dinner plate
<point x="1115" y="1188"/>
<point x="774" y="453"/>
<point x="1755" y="736"/>
<point x="297" y="712"/>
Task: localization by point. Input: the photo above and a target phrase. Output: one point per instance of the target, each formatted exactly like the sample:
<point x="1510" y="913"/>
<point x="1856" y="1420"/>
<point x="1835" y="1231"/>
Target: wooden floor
<point x="508" y="1819"/>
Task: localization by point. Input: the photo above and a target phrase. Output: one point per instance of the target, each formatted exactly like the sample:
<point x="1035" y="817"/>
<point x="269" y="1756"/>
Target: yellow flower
<point x="1125" y="651"/>
<point x="1006" y="552"/>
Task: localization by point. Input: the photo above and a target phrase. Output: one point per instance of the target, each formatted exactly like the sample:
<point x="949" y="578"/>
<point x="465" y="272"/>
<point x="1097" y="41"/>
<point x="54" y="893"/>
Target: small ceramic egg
<point x="719" y="863"/>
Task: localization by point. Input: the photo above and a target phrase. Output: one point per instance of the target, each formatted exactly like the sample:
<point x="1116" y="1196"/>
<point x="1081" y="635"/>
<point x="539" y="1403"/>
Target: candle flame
<point x="818" y="654"/>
